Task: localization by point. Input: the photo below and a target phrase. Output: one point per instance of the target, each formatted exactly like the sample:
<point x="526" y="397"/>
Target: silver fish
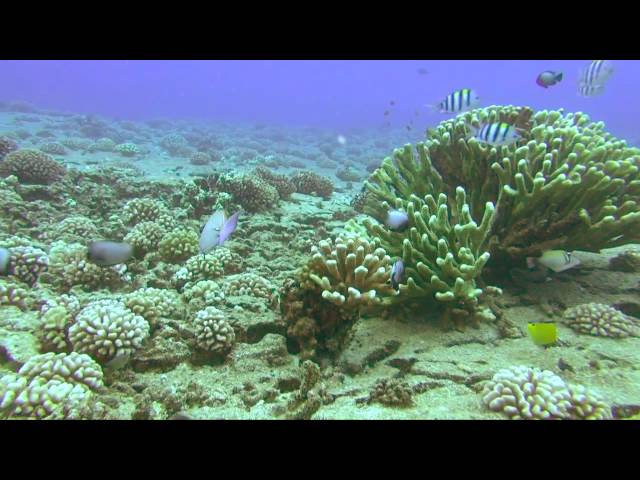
<point x="397" y="220"/>
<point x="106" y="253"/>
<point x="397" y="273"/>
<point x="211" y="231"/>
<point x="5" y="255"/>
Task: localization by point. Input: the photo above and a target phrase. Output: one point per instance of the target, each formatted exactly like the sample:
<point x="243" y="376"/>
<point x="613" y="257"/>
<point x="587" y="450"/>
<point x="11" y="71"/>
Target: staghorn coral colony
<point x="317" y="305"/>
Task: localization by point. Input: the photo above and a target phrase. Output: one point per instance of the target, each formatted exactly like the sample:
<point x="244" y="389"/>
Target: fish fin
<point x="473" y="131"/>
<point x="559" y="76"/>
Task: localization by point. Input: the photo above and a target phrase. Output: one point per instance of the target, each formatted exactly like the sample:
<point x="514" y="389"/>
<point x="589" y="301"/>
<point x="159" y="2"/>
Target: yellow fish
<point x="556" y="260"/>
<point x="543" y="333"/>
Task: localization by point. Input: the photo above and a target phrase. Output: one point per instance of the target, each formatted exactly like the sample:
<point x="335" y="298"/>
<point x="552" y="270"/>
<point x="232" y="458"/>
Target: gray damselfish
<point x="5" y="255"/>
<point x="211" y="231"/>
<point x="106" y="253"/>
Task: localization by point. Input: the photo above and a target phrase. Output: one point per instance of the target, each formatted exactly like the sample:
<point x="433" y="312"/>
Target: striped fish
<point x="596" y="73"/>
<point x="496" y="134"/>
<point x="585" y="90"/>
<point x="459" y="101"/>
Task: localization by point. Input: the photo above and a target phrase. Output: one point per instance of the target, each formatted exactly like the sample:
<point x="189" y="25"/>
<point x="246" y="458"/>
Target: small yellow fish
<point x="543" y="333"/>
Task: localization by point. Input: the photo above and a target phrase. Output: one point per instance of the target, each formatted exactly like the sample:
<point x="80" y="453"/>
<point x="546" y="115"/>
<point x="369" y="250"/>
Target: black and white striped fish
<point x="585" y="90"/>
<point x="496" y="134"/>
<point x="459" y="101"/>
<point x="596" y="73"/>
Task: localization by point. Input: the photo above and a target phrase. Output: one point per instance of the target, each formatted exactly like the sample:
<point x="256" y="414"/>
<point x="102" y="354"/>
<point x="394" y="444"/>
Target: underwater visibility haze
<point x="319" y="239"/>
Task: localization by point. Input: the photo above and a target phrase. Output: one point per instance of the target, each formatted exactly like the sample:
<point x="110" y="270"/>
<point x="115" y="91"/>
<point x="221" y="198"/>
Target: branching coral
<point x="178" y="245"/>
<point x="601" y="320"/>
<point x="153" y="304"/>
<point x="570" y="185"/>
<point x="250" y="191"/>
<point x="311" y="183"/>
<point x="74" y="228"/>
<point x="106" y="329"/>
<point x="213" y="332"/>
<point x="214" y="264"/>
<point x="145" y="237"/>
<point x="68" y="266"/>
<point x="32" y="166"/>
<point x="27" y="264"/>
<point x="51" y="386"/>
<point x="12" y="294"/>
<point x="201" y="294"/>
<point x="142" y="210"/>
<point x="282" y="184"/>
<point x="349" y="272"/>
<point x="248" y="284"/>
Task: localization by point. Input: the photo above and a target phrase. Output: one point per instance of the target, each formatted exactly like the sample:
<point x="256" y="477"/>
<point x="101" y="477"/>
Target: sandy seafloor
<point x="445" y="369"/>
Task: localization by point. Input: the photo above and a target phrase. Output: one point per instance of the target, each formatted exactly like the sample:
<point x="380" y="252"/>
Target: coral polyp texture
<point x="153" y="304"/>
<point x="250" y="191"/>
<point x="569" y="185"/>
<point x="69" y="267"/>
<point x="349" y="272"/>
<point x="13" y="295"/>
<point x="28" y="263"/>
<point x="311" y="183"/>
<point x="444" y="249"/>
<point x="601" y="320"/>
<point x="524" y="393"/>
<point x="178" y="245"/>
<point x="248" y="284"/>
<point x="32" y="166"/>
<point x="213" y="333"/>
<point x="106" y="329"/>
<point x="51" y="386"/>
<point x="143" y="209"/>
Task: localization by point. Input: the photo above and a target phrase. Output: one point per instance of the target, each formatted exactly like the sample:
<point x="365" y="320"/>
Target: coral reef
<point x="50" y="386"/>
<point x="11" y="294"/>
<point x="213" y="332"/>
<point x="281" y="183"/>
<point x="601" y="320"/>
<point x="214" y="264"/>
<point x="127" y="149"/>
<point x="53" y="148"/>
<point x="442" y="251"/>
<point x="74" y="228"/>
<point x="628" y="261"/>
<point x="68" y="267"/>
<point x="529" y="393"/>
<point x="31" y="166"/>
<point x="152" y="304"/>
<point x="248" y="284"/>
<point x="250" y="191"/>
<point x="104" y="144"/>
<point x="202" y="294"/>
<point x="392" y="393"/>
<point x="27" y="264"/>
<point x="572" y="186"/>
<point x="349" y="272"/>
<point x="7" y="145"/>
<point x="311" y="183"/>
<point x="106" y="329"/>
<point x="142" y="210"/>
<point x="178" y="245"/>
<point x="144" y="237"/>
